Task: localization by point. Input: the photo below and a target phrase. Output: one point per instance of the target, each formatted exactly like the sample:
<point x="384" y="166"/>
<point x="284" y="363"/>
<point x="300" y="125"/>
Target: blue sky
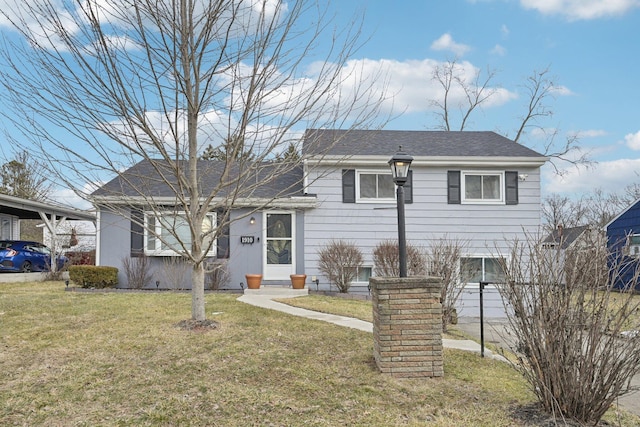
<point x="591" y="48"/>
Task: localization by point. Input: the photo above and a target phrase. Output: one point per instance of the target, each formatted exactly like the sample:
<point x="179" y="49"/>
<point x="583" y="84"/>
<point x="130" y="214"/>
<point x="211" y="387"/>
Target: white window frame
<point x="377" y="199"/>
<point x="157" y="250"/>
<point x="633" y="250"/>
<point x="362" y="283"/>
<point x="463" y="190"/>
<point x="484" y="272"/>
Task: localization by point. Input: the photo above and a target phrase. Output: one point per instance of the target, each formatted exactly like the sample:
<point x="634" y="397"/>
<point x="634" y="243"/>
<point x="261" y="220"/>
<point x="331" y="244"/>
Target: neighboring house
<point x="476" y="187"/>
<point x="565" y="238"/>
<point x="623" y="241"/>
<point x="74" y="236"/>
<point x="564" y="254"/>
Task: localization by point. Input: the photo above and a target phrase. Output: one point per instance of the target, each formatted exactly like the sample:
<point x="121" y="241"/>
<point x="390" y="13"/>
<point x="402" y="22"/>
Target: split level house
<point x="476" y="187"/>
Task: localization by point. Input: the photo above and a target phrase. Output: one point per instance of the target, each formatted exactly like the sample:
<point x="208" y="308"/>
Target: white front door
<point x="279" y="245"/>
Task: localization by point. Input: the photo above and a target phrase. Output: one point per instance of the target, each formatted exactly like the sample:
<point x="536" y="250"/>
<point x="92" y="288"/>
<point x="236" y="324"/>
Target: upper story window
<point x="370" y="186"/>
<point x="171" y="232"/>
<point x="375" y="186"/>
<point x="482" y="187"/>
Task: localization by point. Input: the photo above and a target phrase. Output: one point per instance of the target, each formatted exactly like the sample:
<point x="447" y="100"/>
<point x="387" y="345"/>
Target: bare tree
<point x="466" y="94"/>
<point x="571" y="325"/>
<point x="339" y="261"/>
<point x="461" y="92"/>
<point x="443" y="258"/>
<point x="386" y="258"/>
<point x="596" y="208"/>
<point x="157" y="81"/>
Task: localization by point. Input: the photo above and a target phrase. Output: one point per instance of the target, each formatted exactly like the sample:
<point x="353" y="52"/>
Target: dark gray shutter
<point x="137" y="233"/>
<point x="511" y="187"/>
<point x="408" y="188"/>
<point x="222" y="247"/>
<point x="348" y="186"/>
<point x="453" y="187"/>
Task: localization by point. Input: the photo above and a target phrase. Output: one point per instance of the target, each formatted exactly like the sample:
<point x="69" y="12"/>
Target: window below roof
<point x="485" y="187"/>
<point x="169" y="233"/>
<point x="375" y="186"/>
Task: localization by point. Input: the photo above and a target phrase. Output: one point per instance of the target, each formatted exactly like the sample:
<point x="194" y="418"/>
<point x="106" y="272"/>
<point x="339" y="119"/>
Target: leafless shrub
<point x="386" y="260"/>
<point x="443" y="260"/>
<point x="569" y="324"/>
<point x="340" y="261"/>
<point x="137" y="271"/>
<point x="174" y="272"/>
<point x="216" y="275"/>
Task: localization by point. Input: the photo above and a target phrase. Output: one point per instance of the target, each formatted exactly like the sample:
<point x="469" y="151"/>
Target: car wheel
<point x="26" y="267"/>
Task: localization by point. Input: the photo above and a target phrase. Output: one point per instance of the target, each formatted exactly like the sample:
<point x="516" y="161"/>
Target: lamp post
<point x="400" y="163"/>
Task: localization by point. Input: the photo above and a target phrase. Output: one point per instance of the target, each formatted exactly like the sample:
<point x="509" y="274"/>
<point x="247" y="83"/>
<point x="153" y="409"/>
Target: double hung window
<point x="482" y="187"/>
<point x="167" y="234"/>
<point x="375" y="186"/>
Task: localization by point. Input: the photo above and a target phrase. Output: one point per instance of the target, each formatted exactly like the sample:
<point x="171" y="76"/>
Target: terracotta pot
<point x="297" y="280"/>
<point x="253" y="280"/>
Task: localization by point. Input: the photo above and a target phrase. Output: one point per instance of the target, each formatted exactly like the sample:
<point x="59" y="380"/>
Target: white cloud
<point x="561" y="91"/>
<point x="633" y="140"/>
<point x="590" y="133"/>
<point x="610" y="176"/>
<point x="410" y="86"/>
<point x="498" y="50"/>
<point x="446" y="42"/>
<point x="575" y="10"/>
<point x="504" y="30"/>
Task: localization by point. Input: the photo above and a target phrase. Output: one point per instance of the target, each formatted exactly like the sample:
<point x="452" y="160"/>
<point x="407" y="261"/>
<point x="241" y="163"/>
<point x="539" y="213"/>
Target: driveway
<point x="496" y="332"/>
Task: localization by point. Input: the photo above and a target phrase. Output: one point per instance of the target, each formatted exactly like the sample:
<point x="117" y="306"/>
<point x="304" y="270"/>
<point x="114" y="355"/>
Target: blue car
<point x="23" y="256"/>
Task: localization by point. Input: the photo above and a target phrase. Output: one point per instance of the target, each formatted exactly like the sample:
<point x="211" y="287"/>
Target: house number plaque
<point x="247" y="240"/>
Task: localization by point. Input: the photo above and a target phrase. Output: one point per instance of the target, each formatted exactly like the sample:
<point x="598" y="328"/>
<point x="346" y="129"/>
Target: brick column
<point x="407" y="326"/>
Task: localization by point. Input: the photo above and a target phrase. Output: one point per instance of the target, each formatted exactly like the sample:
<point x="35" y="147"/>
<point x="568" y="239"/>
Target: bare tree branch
<point x="99" y="87"/>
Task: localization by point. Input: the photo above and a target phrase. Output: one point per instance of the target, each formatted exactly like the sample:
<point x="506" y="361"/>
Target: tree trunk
<point x="197" y="292"/>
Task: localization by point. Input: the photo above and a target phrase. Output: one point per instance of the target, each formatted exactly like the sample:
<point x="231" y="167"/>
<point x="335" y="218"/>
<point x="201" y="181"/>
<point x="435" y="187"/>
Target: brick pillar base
<point x="407" y="326"/>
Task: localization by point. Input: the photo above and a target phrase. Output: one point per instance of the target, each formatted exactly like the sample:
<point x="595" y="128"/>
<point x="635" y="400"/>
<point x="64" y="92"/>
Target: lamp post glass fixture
<point x="400" y="163"/>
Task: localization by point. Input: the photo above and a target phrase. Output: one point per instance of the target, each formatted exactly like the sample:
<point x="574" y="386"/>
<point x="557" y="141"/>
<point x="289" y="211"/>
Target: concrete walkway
<point x="264" y="298"/>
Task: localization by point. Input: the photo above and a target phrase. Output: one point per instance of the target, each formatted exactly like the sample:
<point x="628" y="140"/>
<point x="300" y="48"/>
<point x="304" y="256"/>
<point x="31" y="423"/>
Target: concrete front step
<point x="277" y="291"/>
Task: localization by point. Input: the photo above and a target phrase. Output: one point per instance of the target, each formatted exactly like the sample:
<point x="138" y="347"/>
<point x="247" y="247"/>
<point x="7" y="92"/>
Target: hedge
<point x="90" y="276"/>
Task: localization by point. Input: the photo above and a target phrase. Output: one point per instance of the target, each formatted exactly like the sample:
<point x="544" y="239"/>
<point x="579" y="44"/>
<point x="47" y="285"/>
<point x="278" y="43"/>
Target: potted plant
<point x="253" y="280"/>
<point x="297" y="280"/>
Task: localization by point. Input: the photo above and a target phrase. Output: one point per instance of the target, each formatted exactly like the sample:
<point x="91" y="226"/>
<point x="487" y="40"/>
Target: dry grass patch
<point x="86" y="359"/>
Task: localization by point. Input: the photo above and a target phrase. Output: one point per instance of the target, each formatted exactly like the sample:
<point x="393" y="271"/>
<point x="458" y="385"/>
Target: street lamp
<point x="400" y="163"/>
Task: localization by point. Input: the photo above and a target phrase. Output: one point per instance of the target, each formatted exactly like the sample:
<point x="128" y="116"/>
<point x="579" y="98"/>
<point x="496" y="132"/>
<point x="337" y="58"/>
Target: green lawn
<point x="86" y="359"/>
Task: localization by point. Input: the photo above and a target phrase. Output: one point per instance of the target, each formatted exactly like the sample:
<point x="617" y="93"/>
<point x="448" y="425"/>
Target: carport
<point x="13" y="209"/>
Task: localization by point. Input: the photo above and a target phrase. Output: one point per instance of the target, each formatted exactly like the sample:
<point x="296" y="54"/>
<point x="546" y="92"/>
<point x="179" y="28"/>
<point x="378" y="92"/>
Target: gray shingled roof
<point x="150" y="177"/>
<point x="565" y="236"/>
<point x="335" y="142"/>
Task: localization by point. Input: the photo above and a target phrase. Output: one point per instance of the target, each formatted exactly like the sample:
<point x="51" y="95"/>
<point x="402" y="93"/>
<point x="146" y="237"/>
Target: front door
<point x="279" y="245"/>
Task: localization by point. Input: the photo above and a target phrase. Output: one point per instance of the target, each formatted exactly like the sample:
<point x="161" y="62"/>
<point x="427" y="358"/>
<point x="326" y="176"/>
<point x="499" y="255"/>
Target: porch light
<point x="252" y="221"/>
<point x="400" y="163"/>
